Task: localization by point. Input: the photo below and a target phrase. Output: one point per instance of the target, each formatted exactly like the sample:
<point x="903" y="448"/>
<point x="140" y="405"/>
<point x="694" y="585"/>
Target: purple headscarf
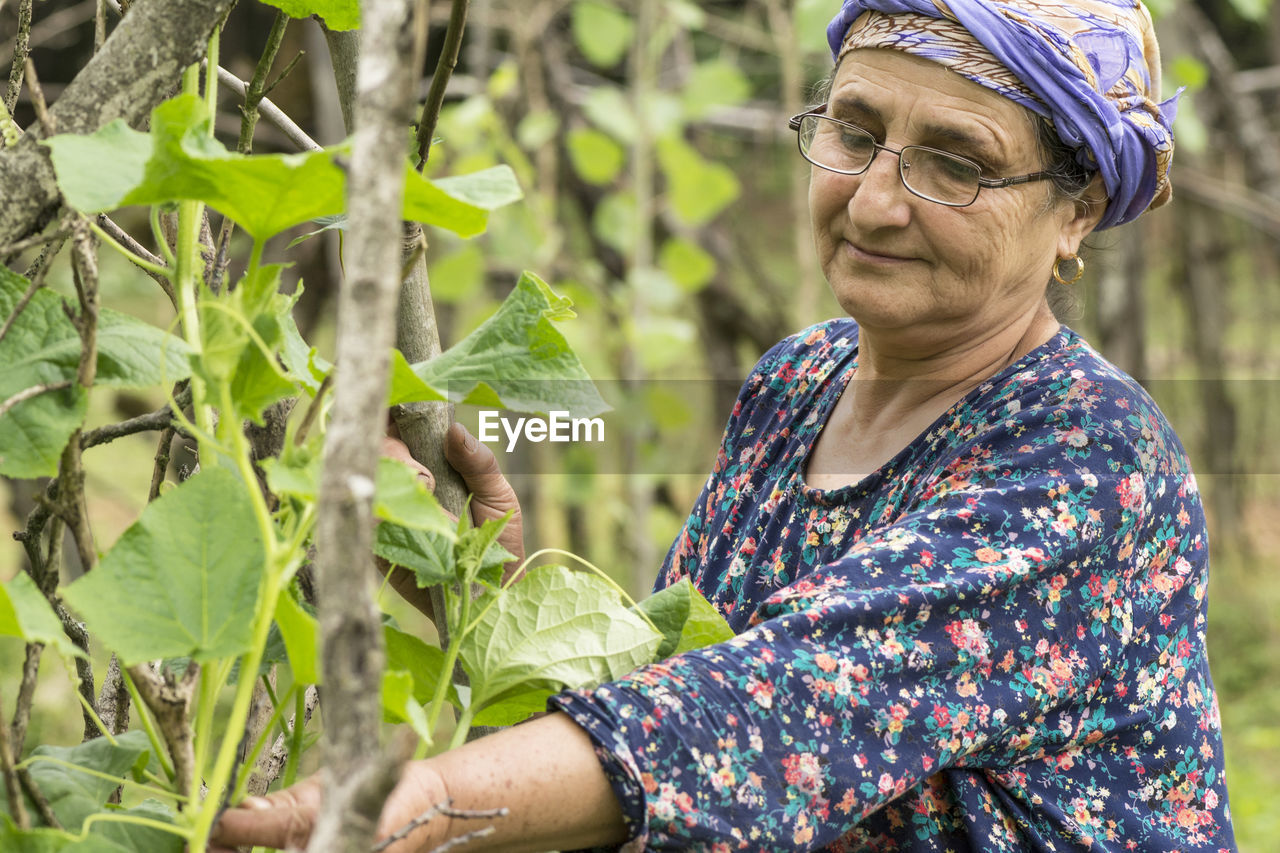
<point x="1090" y="66"/>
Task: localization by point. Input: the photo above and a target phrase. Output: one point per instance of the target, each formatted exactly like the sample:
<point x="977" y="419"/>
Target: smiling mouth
<point x="869" y="255"/>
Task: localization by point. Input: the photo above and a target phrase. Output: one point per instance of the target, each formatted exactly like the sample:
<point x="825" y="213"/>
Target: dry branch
<point x="139" y="65"/>
<point x="360" y="776"/>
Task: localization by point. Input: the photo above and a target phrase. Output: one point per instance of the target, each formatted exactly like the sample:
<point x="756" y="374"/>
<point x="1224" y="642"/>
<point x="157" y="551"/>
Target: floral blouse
<point x="995" y="642"/>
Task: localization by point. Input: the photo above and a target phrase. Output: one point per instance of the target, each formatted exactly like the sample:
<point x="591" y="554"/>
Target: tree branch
<point x="21" y="48"/>
<point x="139" y="64"/>
<point x="440" y="80"/>
<point x="150" y="422"/>
<point x="12" y="784"/>
<point x="360" y="775"/>
<point x="169" y="700"/>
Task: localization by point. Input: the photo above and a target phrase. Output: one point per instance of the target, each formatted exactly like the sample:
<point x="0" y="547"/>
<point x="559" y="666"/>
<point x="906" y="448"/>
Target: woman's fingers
<point x="282" y="820"/>
<point x="491" y="494"/>
<point x="394" y="448"/>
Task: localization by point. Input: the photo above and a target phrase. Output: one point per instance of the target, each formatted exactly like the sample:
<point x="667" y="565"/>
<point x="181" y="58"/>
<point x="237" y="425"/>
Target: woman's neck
<point x="896" y="379"/>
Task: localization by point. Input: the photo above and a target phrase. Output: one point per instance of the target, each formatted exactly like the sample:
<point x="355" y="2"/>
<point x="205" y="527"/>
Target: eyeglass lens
<point x="932" y="174"/>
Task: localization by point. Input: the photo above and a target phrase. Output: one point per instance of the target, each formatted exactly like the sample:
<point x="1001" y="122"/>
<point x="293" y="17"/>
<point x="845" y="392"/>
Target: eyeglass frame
<point x="795" y="122"/>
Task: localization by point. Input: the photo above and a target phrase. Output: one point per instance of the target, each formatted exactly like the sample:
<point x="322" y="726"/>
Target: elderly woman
<point x="966" y="555"/>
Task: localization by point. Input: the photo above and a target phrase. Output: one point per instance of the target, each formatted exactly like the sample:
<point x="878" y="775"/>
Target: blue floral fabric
<point x="995" y="642"/>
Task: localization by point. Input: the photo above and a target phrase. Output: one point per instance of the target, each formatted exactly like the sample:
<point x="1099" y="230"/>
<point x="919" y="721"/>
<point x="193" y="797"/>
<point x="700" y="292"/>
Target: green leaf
<point x="26" y="614"/>
<point x="401" y="498"/>
<point x="423" y="662"/>
<point x="183" y="579"/>
<point x="294" y="474"/>
<point x="615" y="222"/>
<point x="717" y="83"/>
<point x="75" y="795"/>
<point x="399" y="705"/>
<point x="595" y="156"/>
<point x="601" y="32"/>
<point x="132" y="837"/>
<point x="428" y="555"/>
<point x="517" y="359"/>
<point x="514" y="709"/>
<point x="487" y="189"/>
<point x="301" y="635"/>
<point x="479" y="555"/>
<point x="553" y="629"/>
<point x="705" y="625"/>
<point x="234" y="329"/>
<point x="406" y="386"/>
<point x="263" y="193"/>
<point x="337" y="14"/>
<point x="697" y="188"/>
<point x="43" y="348"/>
<point x="687" y="264"/>
<point x="685" y="618"/>
<point x="668" y="610"/>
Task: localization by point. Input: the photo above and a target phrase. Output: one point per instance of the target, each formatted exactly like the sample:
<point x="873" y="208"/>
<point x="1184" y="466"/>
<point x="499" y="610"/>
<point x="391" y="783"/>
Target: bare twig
<point x="271" y="113"/>
<point x="284" y="72"/>
<point x="26" y="693"/>
<point x="37" y="796"/>
<point x="463" y="839"/>
<point x="99" y="24"/>
<point x="113" y="700"/>
<point x="125" y="239"/>
<point x="169" y="700"/>
<point x="256" y="88"/>
<point x="313" y="410"/>
<point x="158" y="420"/>
<point x="33" y="391"/>
<point x="273" y="761"/>
<point x="40" y="265"/>
<point x="431" y="814"/>
<point x="38" y="102"/>
<point x="32" y="241"/>
<point x="440" y="79"/>
<point x="21" y="48"/>
<point x="361" y="775"/>
<point x="12" y="784"/>
<point x="161" y="465"/>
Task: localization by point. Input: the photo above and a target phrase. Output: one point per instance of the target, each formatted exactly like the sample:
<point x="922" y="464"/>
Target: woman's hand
<point x="285" y="819"/>
<point x="491" y="497"/>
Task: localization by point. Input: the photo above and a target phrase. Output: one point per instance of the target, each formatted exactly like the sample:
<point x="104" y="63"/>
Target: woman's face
<point x="931" y="273"/>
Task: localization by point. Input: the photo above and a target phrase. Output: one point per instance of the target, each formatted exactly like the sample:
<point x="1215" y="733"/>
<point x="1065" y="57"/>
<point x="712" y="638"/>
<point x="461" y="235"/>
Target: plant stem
<point x="134" y="259"/>
<point x="92" y="713"/>
<point x="148" y="725"/>
<point x="295" y="737"/>
<point x="247" y="767"/>
<point x="450" y="659"/>
<point x="440" y="79"/>
<point x="129" y="783"/>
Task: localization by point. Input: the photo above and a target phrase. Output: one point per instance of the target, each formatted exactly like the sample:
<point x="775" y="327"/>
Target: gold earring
<point x="1057" y="273"/>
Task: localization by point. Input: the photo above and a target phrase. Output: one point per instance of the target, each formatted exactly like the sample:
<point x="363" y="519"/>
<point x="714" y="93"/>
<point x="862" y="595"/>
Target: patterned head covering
<point x="1090" y="66"/>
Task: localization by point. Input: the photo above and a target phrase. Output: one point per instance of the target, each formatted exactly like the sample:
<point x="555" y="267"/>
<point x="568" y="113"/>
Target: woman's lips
<point x="873" y="256"/>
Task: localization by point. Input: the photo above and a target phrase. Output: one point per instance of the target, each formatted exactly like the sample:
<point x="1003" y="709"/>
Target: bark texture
<point x="359" y="776"/>
<point x="137" y="67"/>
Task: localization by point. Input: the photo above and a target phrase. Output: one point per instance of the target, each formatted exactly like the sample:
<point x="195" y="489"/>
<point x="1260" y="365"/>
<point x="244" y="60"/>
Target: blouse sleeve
<point x="964" y="632"/>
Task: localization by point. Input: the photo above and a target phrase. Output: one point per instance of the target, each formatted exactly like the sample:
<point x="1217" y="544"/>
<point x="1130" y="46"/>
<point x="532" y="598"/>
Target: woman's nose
<point x="880" y="198"/>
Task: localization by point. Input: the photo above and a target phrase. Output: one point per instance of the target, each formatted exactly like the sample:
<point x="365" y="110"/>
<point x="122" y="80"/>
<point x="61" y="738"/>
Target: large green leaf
<point x="73" y="794"/>
<point x="428" y="555"/>
<point x="337" y="14"/>
<point x="104" y="836"/>
<point x="24" y="613"/>
<point x="407" y="653"/>
<point x="301" y="634"/>
<point x="553" y="628"/>
<point x="183" y="579"/>
<point x="517" y="359"/>
<point x="264" y="194"/>
<point x="241" y="334"/>
<point x="43" y="348"/>
<point x="685" y="618"/>
<point x="514" y="708"/>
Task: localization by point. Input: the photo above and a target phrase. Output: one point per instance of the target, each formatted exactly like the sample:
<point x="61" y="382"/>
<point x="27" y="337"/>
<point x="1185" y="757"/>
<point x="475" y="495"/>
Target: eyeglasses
<point x="847" y="149"/>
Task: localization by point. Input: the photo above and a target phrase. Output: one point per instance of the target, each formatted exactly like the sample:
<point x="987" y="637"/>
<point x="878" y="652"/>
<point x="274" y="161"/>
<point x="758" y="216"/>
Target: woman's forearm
<point x="545" y="772"/>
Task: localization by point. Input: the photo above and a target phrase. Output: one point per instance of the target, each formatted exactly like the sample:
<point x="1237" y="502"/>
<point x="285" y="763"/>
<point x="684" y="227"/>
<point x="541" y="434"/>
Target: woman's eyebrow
<point x="852" y="105"/>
